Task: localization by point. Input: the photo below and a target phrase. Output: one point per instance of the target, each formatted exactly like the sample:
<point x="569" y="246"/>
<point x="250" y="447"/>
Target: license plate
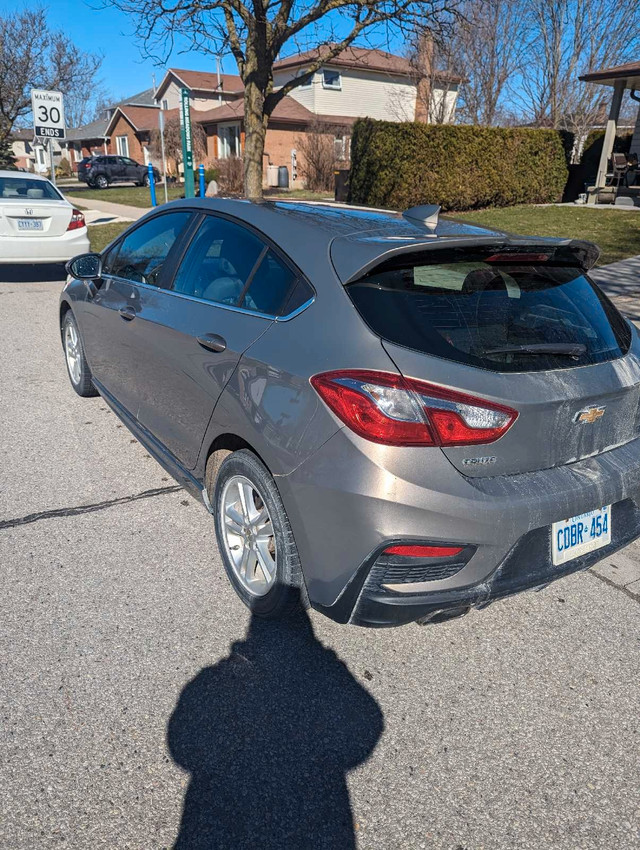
<point x="578" y="535"/>
<point x="29" y="224"/>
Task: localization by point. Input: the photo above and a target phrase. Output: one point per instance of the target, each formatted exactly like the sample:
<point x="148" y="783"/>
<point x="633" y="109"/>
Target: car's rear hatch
<point x="525" y="329"/>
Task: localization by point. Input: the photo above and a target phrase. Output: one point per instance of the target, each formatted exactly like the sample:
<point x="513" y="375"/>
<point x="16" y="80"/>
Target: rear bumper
<point x="352" y="498"/>
<point x="527" y="567"/>
<point x="44" y="249"/>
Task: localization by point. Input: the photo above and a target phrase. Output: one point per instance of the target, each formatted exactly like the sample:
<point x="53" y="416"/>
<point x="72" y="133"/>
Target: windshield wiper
<point x="570" y="349"/>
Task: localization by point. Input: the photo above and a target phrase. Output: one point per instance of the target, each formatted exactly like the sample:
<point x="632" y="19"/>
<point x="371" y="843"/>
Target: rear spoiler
<point x="349" y="255"/>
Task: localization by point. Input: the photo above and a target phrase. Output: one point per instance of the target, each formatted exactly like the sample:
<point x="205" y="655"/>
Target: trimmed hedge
<point x="400" y="165"/>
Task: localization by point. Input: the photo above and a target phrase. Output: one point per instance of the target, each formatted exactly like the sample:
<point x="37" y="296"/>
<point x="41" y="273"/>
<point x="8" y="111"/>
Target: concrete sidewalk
<point x="120" y="211"/>
<point x="621" y="282"/>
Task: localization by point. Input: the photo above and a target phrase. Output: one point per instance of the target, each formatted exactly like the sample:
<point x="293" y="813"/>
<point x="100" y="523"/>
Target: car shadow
<point x="31" y="272"/>
<point x="268" y="735"/>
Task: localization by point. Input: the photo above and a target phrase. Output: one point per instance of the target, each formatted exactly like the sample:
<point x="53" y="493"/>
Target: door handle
<point x="214" y="342"/>
<point x="127" y="313"/>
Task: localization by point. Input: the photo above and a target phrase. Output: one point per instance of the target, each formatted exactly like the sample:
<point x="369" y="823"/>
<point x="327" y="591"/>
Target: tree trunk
<point x="255" y="128"/>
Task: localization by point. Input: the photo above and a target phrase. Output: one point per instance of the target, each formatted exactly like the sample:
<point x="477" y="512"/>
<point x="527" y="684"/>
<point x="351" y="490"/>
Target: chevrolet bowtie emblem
<point x="589" y="415"/>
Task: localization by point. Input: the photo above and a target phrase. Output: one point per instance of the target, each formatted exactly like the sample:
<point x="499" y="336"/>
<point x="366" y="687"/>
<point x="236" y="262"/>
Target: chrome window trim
<point x="230" y="307"/>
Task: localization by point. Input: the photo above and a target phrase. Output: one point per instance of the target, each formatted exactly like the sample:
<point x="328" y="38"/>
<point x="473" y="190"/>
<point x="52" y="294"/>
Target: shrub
<point x="63" y="169"/>
<point x="230" y="177"/>
<point x="211" y="174"/>
<point x="318" y="161"/>
<point x="401" y="165"/>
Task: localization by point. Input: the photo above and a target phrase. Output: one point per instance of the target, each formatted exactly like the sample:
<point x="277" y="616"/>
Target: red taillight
<point x="423" y="551"/>
<point x="397" y="411"/>
<point x="514" y="257"/>
<point x="77" y="220"/>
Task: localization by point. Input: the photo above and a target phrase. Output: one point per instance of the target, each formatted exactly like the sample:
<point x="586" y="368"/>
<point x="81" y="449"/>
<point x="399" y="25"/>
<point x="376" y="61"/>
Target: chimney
<point x="423" y="64"/>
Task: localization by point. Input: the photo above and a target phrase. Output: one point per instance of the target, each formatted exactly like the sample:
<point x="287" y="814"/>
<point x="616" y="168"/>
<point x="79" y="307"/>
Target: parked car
<point x="102" y="171"/>
<point x="37" y="223"/>
<point x="394" y="418"/>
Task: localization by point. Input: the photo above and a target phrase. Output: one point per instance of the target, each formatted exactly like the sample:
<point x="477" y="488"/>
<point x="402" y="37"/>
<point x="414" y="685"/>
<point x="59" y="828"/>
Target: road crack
<point x="87" y="509"/>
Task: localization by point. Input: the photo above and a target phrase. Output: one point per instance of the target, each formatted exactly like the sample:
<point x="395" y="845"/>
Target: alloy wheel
<point x="248" y="535"/>
<point x="72" y="351"/>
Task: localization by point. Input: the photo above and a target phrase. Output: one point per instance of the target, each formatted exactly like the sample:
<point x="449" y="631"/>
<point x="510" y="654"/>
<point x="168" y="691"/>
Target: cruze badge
<point x="589" y="415"/>
<point x="479" y="461"/>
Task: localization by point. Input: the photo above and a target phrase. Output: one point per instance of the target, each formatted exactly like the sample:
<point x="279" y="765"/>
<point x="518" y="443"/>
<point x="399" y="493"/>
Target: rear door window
<point x="504" y="317"/>
<point x="270" y="285"/>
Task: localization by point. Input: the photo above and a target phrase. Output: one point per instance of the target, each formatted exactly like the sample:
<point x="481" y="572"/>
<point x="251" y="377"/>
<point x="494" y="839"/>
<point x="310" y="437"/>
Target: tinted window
<point x="143" y="252"/>
<point x="269" y="287"/>
<point x="219" y="261"/>
<point x="19" y="188"/>
<point x="487" y="315"/>
<point x="127" y="161"/>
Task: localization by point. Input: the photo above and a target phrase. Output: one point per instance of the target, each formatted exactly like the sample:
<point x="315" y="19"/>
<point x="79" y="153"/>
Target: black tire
<point x="145" y="180"/>
<point x="83" y="385"/>
<point x="101" y="181"/>
<point x="287" y="596"/>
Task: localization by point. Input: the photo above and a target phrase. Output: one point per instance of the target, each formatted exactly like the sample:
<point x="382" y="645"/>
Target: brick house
<point x="129" y="131"/>
<point x="359" y="82"/>
<point x="93" y="139"/>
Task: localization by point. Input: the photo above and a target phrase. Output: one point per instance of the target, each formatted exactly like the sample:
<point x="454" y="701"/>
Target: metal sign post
<point x="48" y="119"/>
<point x="187" y="149"/>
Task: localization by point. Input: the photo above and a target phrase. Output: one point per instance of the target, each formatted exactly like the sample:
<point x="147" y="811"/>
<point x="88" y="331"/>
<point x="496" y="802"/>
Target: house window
<point x="122" y="145"/>
<point x="228" y="140"/>
<point x="306" y="85"/>
<point x="165" y="104"/>
<point x="331" y="79"/>
<point x="41" y="161"/>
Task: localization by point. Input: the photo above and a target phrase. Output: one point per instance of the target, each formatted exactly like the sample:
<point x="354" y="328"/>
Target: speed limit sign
<point x="48" y="114"/>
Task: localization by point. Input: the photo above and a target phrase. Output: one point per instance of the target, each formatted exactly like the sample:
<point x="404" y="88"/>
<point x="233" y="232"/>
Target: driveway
<point x="142" y="707"/>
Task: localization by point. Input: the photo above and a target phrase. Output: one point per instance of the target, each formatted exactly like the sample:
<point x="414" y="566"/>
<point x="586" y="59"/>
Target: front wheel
<point x="255" y="538"/>
<point x="77" y="366"/>
<point x="145" y="180"/>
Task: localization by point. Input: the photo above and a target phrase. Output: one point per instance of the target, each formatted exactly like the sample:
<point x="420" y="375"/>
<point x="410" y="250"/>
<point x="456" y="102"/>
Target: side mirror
<point x="85" y="266"/>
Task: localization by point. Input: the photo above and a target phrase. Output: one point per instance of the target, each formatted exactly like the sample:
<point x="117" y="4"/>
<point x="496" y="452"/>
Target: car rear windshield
<point x="503" y="317"/>
<point x="26" y="189"/>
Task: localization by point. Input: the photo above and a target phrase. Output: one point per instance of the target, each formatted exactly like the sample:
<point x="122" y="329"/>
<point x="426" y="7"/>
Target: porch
<point x="605" y="190"/>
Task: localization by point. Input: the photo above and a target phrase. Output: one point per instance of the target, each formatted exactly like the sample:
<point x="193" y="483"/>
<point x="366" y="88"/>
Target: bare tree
<point x="258" y="31"/>
<point x="323" y="148"/>
<point x="569" y="38"/>
<point x="83" y="104"/>
<point x="173" y="141"/>
<point x="485" y="48"/>
<point x="34" y="56"/>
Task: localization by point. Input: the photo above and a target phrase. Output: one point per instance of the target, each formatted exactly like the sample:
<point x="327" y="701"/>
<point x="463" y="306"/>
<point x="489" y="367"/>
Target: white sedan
<point x="37" y="224"/>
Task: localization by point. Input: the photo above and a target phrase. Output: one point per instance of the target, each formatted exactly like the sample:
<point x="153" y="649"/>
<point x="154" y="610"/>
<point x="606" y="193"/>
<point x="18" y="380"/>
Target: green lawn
<point x="101" y="234"/>
<point x="617" y="232"/>
<point x="297" y="194"/>
<point x="133" y="196"/>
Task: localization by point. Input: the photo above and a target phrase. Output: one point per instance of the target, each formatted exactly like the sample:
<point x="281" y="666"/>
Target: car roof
<point x="356" y="239"/>
<point x="26" y="175"/>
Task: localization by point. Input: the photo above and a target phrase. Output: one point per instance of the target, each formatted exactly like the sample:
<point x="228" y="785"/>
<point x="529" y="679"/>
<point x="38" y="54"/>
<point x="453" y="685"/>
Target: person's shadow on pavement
<point x="268" y="735"/>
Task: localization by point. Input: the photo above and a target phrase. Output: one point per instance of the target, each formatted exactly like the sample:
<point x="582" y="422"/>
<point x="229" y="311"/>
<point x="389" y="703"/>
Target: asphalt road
<point x="141" y="707"/>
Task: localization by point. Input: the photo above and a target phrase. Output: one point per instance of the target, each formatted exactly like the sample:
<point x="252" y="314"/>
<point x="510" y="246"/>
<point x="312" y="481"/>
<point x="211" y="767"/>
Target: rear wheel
<point x="102" y="181"/>
<point x="77" y="366"/>
<point x="254" y="535"/>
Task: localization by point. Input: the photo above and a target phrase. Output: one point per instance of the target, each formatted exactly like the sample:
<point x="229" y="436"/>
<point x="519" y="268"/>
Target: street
<point x="132" y="682"/>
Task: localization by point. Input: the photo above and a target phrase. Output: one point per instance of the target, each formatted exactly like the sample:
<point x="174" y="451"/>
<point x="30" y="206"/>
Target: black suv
<point x="101" y="171"/>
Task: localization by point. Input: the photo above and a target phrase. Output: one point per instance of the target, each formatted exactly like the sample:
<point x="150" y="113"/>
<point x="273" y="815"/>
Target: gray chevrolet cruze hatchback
<point x="390" y="417"/>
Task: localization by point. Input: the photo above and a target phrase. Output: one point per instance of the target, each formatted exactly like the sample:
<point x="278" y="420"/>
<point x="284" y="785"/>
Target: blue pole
<point x="152" y="186"/>
<point x="203" y="188"/>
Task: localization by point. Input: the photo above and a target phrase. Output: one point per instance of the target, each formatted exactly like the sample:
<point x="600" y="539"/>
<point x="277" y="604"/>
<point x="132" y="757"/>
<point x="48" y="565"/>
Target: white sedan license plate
<point x="29" y="224"/>
<point x="578" y="535"/>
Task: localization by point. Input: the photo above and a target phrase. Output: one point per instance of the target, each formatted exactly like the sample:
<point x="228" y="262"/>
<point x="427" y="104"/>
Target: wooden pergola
<point x="621" y="78"/>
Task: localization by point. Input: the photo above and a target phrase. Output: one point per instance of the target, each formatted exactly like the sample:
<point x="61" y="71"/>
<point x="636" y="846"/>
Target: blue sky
<point x="109" y="32"/>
